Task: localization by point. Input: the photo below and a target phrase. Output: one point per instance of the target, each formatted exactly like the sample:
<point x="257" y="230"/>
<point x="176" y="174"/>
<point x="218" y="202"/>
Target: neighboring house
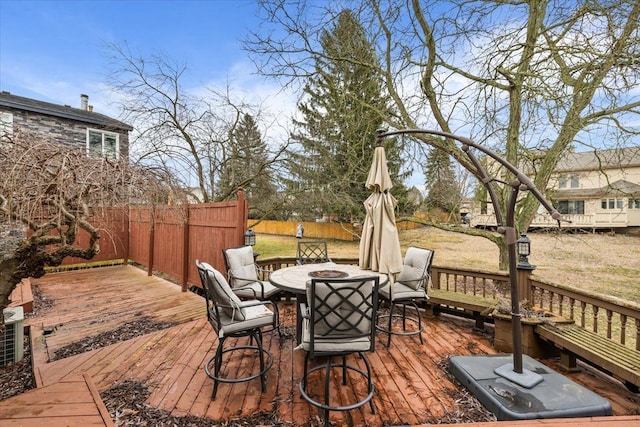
<point x="81" y="127"/>
<point x="597" y="190"/>
<point x="101" y="135"/>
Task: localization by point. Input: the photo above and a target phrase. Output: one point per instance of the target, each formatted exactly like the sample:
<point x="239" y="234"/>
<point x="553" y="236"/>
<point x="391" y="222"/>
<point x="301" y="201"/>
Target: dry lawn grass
<point x="607" y="264"/>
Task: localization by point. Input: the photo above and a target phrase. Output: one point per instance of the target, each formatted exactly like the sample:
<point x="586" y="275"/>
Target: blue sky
<point x="56" y="50"/>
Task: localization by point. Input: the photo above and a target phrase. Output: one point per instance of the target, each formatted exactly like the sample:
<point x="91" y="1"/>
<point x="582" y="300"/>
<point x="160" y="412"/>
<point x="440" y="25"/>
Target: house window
<point x="575" y="181"/>
<point x="562" y="181"/>
<point x="634" y="203"/>
<point x="6" y="125"/>
<point x="483" y="208"/>
<point x="102" y="144"/>
<point x="572" y="181"/>
<point x="611" y="203"/>
<point x="570" y="207"/>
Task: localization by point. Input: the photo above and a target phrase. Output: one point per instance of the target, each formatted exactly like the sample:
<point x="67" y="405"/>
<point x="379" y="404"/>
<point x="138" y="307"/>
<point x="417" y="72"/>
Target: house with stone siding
<point x="100" y="135"/>
<point x="82" y="127"/>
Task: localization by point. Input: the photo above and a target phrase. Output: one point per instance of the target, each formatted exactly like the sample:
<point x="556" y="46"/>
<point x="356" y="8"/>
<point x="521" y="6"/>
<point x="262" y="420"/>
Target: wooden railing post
<point x="524" y="284"/>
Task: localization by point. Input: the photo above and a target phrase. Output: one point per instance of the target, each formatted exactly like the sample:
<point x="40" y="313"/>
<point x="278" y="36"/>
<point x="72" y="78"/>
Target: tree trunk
<point x="8" y="282"/>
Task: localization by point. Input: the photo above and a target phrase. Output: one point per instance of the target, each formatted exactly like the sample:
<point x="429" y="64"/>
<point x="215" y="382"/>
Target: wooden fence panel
<point x="168" y="241"/>
<point x="213" y="227"/>
<point x="112" y="223"/>
<point x="315" y="230"/>
<point x="139" y="234"/>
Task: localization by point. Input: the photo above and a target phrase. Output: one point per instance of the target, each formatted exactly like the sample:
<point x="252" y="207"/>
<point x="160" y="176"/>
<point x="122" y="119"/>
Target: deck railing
<point x="616" y="319"/>
<point x="608" y="316"/>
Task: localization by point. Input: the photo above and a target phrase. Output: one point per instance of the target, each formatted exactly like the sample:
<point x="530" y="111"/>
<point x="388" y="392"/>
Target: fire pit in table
<point x="328" y="274"/>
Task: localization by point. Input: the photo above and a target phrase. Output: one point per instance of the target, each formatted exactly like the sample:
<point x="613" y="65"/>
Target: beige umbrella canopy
<point x="380" y="244"/>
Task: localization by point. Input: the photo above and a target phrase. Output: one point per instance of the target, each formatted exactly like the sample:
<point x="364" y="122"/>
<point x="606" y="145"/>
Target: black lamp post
<point x="250" y="238"/>
<point x="524" y="250"/>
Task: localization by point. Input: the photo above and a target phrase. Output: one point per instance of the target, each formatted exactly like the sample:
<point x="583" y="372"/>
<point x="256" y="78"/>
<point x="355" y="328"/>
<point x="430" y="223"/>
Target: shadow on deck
<point x="411" y="386"/>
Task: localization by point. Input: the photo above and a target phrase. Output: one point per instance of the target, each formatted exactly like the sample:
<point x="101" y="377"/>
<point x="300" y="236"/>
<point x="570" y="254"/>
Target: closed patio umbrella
<point x="380" y="244"/>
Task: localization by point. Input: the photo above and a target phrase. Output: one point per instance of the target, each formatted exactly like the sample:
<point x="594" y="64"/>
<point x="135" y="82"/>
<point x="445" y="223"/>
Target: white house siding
<point x="600" y="177"/>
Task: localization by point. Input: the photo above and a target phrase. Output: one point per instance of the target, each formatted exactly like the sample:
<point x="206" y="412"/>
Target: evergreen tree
<point x="443" y="191"/>
<point x="246" y="166"/>
<point x="344" y="105"/>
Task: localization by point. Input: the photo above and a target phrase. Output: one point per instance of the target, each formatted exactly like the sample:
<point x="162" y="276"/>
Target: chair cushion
<point x="255" y="289"/>
<point x="224" y="295"/>
<point x="416" y="263"/>
<point x="242" y="268"/>
<point x="401" y="291"/>
<point x="334" y="344"/>
<point x="256" y="316"/>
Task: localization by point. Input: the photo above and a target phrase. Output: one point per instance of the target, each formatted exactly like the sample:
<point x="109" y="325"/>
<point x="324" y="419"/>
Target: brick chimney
<point x="84" y="102"/>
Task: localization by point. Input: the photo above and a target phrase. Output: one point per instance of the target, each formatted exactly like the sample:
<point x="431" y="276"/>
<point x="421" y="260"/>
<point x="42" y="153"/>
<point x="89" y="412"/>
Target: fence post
<point x="127" y="225"/>
<point x="152" y="226"/>
<point x="185" y="240"/>
<point x="243" y="216"/>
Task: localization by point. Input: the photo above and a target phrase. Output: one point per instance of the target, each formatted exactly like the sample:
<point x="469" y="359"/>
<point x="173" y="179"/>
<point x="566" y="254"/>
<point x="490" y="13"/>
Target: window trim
<point x="103" y="133"/>
<point x="608" y="204"/>
<point x="570" y="207"/>
<point x="6" y="124"/>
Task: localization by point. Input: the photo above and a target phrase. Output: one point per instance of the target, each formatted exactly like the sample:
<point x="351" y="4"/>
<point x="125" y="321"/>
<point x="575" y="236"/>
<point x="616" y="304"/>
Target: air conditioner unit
<point x="12" y="338"/>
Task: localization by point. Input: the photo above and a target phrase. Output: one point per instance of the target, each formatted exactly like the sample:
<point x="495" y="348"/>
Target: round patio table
<point x="294" y="279"/>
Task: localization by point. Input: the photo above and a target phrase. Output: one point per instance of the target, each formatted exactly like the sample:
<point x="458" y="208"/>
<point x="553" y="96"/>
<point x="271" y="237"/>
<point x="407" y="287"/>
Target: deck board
<point x="411" y="387"/>
<point x="72" y="402"/>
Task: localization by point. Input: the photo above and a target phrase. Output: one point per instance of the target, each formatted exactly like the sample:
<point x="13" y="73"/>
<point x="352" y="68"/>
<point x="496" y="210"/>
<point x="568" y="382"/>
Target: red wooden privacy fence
<point x="168" y="239"/>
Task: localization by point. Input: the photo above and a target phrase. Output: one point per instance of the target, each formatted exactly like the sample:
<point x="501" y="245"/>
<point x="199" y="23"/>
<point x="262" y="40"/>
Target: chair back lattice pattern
<point x="310" y="252"/>
<point x="342" y="311"/>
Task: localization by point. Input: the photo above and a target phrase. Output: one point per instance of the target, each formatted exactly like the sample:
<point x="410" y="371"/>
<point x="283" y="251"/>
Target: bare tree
<point x="520" y="77"/>
<point x="188" y="133"/>
<point x="56" y="193"/>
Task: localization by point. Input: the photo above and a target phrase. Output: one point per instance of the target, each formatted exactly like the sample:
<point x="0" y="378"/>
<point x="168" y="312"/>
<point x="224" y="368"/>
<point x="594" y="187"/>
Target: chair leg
<point x="418" y="319"/>
<point x="277" y="316"/>
<point x="327" y="383"/>
<point x="369" y="380"/>
<point x="216" y="369"/>
<point x="263" y="377"/>
<point x="306" y="363"/>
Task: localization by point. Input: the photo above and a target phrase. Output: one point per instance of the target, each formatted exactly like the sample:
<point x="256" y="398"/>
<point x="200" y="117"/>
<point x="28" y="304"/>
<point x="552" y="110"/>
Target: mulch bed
<point x="125" y="332"/>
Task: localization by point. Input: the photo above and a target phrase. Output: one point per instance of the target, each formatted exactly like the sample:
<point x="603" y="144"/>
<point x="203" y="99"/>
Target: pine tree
<point x="247" y="167"/>
<point x="443" y="191"/>
<point x="343" y="107"/>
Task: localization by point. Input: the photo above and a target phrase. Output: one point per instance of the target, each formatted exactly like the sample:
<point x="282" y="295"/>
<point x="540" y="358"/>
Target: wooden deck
<point x="411" y="387"/>
<point x="73" y="401"/>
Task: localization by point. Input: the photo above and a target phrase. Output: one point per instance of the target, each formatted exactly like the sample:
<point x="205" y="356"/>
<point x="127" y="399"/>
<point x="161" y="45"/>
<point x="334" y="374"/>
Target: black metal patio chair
<point x="232" y="318"/>
<point x="339" y="321"/>
<point x="312" y="252"/>
<point x="409" y="288"/>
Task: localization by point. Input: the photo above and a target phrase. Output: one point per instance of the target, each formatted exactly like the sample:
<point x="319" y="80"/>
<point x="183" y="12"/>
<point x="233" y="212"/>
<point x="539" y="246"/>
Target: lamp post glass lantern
<point x="524" y="250"/>
<point x="249" y="238"/>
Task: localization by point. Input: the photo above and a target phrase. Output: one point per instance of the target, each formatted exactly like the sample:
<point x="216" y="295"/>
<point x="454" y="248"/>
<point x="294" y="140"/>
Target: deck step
<point x="72" y="402"/>
<point x="22" y="296"/>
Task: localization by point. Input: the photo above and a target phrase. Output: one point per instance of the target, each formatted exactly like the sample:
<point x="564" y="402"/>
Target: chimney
<point x="84" y="102"/>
